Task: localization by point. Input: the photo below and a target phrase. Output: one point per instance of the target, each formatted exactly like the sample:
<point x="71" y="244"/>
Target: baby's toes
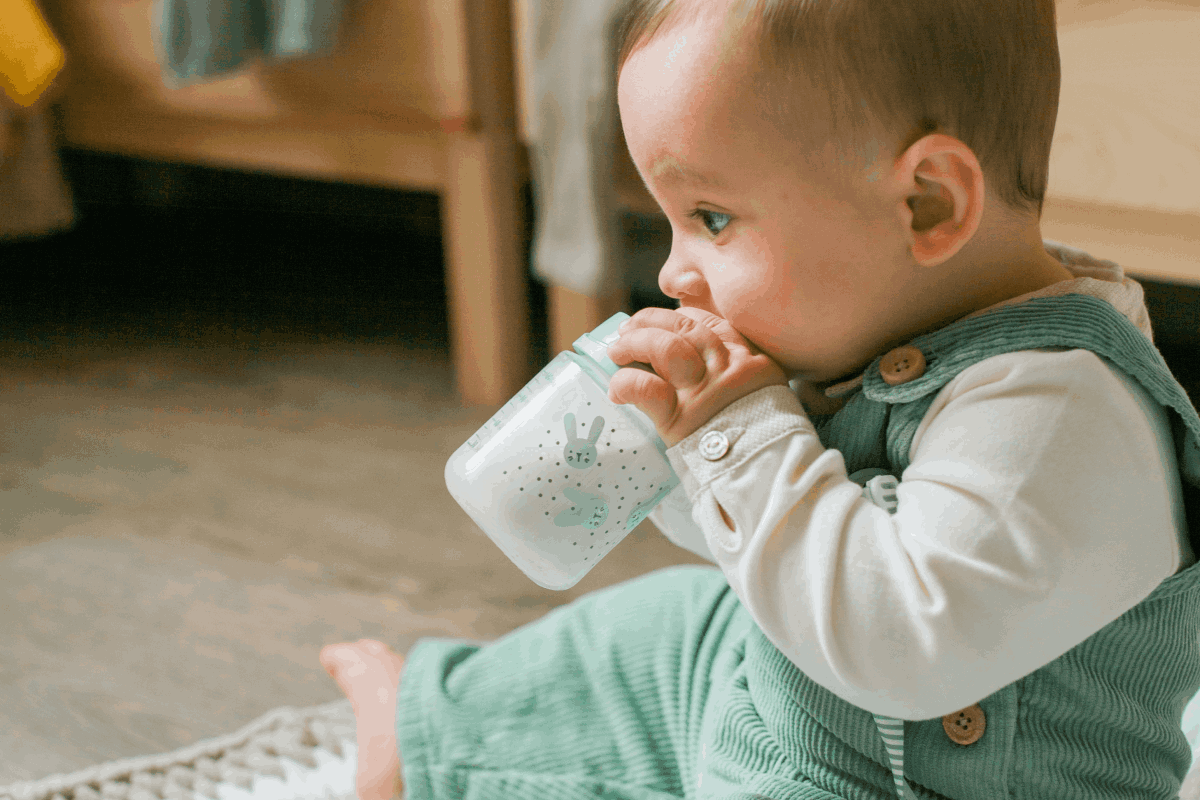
<point x="373" y="647"/>
<point x="344" y="662"/>
<point x="362" y="667"/>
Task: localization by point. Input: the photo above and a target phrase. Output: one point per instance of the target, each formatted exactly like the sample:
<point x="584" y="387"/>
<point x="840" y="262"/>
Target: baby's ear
<point x="931" y="208"/>
<point x="943" y="197"/>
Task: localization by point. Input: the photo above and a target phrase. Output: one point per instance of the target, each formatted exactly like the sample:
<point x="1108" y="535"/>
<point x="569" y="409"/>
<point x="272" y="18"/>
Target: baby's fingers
<point x="653" y="396"/>
<point x="669" y="354"/>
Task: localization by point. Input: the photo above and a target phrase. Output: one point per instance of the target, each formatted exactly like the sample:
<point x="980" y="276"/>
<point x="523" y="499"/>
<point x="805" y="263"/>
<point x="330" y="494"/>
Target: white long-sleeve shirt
<point x="1042" y="501"/>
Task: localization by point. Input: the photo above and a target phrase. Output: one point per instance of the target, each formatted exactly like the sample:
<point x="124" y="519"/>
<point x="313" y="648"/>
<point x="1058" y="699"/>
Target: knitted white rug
<point x="286" y="754"/>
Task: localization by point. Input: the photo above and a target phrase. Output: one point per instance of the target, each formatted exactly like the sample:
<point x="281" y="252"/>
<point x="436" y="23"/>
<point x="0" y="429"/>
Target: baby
<point x="936" y="459"/>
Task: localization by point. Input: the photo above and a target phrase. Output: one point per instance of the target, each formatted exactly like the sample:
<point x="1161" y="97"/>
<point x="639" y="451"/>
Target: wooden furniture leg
<point x="483" y="219"/>
<point x="572" y="314"/>
<point x="485" y="271"/>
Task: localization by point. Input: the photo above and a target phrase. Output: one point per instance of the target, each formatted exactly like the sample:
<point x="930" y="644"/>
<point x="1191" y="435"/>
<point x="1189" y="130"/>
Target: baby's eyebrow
<point x="672" y="170"/>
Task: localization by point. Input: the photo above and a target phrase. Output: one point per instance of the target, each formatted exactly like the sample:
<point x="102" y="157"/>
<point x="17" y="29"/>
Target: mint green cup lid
<point x="595" y="343"/>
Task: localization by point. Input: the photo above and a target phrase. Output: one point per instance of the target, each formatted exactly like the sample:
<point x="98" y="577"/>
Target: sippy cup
<point x="560" y="475"/>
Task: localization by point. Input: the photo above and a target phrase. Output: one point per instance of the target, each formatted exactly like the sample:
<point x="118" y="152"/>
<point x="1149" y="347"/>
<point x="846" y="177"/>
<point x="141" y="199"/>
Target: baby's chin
<point x="822" y="370"/>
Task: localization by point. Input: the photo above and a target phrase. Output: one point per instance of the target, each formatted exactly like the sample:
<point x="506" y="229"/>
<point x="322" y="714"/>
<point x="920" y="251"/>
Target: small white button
<point x="881" y="490"/>
<point x="714" y="445"/>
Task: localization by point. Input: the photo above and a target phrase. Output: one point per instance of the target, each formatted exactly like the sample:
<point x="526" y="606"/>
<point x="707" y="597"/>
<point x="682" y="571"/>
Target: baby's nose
<point x="678" y="278"/>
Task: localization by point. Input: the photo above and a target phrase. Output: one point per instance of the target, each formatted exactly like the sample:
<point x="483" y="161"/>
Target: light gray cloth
<point x="202" y="39"/>
<point x="572" y="125"/>
<point x="34" y="197"/>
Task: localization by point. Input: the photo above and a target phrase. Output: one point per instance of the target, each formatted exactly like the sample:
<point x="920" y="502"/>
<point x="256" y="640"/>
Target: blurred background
<point x="266" y="266"/>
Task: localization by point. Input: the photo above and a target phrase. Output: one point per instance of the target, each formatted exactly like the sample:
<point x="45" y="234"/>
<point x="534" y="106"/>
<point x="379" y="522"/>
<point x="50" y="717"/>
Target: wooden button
<point x="902" y="365"/>
<point x="966" y="726"/>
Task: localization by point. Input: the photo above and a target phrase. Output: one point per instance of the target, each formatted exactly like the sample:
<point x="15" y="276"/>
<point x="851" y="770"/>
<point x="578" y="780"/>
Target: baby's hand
<point x="701" y="365"/>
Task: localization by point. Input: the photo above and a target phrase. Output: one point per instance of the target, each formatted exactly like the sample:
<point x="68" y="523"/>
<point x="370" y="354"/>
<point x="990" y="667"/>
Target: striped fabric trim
<point x="880" y="489"/>
<point x="892" y="731"/>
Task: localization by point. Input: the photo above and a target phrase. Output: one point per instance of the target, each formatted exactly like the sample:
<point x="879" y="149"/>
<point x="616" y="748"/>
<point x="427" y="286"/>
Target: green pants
<point x="635" y="692"/>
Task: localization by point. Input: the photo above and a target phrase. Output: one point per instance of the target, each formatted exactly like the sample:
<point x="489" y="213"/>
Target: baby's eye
<point x="713" y="221"/>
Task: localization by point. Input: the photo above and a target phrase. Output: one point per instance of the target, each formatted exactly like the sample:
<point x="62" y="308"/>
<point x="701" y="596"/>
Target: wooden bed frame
<point x="421" y="96"/>
<point x="427" y="98"/>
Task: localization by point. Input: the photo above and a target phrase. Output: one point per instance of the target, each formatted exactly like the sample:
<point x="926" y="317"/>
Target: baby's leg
<point x="368" y="672"/>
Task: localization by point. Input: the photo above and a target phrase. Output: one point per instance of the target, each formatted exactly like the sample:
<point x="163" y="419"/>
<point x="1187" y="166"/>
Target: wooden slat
<point x="483" y="212"/>
<point x="1148" y="244"/>
<point x="522" y="12"/>
<point x="356" y="149"/>
<point x="449" y="41"/>
<point x="1128" y="131"/>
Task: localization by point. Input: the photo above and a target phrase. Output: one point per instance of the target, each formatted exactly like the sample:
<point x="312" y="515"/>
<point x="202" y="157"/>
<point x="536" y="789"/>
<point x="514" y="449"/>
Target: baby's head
<point x="842" y="174"/>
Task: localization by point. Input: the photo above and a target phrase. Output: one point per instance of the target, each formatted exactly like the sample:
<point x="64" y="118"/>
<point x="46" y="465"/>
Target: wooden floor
<point x="182" y="531"/>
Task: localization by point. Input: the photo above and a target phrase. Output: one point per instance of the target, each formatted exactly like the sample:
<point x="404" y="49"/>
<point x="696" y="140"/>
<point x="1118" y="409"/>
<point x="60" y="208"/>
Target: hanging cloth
<point x="203" y="39"/>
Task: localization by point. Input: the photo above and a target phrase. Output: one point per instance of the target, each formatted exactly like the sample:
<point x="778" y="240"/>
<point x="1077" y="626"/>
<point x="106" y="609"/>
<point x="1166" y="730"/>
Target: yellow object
<point x="30" y="55"/>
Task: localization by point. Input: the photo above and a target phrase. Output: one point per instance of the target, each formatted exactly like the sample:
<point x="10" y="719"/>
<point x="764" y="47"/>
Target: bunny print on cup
<point x="581" y="453"/>
<point x="589" y="510"/>
<point x="592" y="510"/>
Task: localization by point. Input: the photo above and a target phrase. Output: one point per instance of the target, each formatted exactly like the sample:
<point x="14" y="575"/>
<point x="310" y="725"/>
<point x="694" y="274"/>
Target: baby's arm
<point x="1012" y="542"/>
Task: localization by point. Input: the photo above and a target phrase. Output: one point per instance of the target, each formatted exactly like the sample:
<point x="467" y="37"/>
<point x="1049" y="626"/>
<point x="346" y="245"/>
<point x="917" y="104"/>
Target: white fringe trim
<point x="197" y="771"/>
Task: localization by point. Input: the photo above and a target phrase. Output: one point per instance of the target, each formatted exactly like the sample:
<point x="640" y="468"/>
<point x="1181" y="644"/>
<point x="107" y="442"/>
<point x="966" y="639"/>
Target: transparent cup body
<point x="559" y="476"/>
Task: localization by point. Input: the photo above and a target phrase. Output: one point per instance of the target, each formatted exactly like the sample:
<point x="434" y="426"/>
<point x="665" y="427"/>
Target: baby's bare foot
<point x="368" y="672"/>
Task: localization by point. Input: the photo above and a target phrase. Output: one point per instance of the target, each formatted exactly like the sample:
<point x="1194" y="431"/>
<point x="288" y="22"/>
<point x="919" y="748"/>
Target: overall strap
<point x="1072" y="321"/>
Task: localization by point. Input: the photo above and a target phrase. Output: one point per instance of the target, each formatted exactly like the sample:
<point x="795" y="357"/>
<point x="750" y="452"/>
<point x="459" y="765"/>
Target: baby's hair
<point x="986" y="72"/>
